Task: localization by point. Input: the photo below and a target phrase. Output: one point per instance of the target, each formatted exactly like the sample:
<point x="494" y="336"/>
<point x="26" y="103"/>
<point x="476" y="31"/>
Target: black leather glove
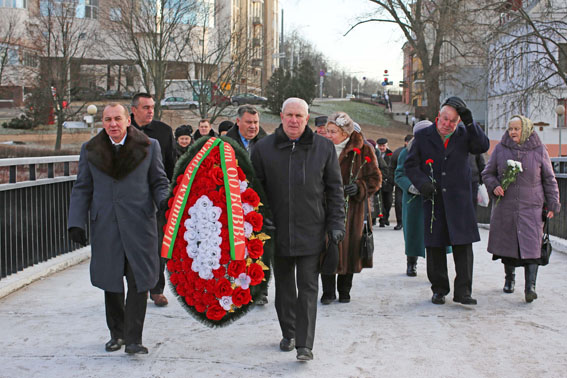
<point x="466" y="116"/>
<point x="78" y="235"/>
<point x="330" y="259"/>
<point x="351" y="189"/>
<point x="461" y="108"/>
<point x="336" y="236"/>
<point x="427" y="190"/>
<point x="269" y="225"/>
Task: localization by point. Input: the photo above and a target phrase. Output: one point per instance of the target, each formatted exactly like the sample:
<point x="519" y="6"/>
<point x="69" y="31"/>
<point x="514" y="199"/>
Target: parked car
<point x="248" y="98"/>
<point x="178" y="103"/>
<point x="350" y="95"/>
<point x="86" y="93"/>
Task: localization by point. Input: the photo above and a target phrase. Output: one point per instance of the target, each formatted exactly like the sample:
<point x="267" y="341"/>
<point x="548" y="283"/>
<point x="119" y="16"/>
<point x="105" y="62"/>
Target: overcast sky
<point x="366" y="51"/>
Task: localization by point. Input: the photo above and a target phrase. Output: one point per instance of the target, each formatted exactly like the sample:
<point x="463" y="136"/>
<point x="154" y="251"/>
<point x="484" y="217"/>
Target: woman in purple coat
<point x="516" y="225"/>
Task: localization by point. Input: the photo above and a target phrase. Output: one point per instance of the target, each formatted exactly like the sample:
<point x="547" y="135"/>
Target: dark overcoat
<point x="120" y="192"/>
<point x="164" y="135"/>
<point x="454" y="215"/>
<point x="516" y="221"/>
<point x="368" y="182"/>
<point x="303" y="183"/>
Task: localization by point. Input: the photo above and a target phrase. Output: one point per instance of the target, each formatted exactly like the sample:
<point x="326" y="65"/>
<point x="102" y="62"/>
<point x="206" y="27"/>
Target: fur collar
<point x="356" y="141"/>
<point x="118" y="166"/>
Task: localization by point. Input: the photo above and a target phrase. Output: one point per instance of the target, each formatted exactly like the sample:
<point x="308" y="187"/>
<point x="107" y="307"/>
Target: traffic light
<point x="385" y="81"/>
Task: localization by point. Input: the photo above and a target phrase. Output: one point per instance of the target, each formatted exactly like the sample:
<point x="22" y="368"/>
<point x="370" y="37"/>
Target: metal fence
<point x="557" y="225"/>
<point x="34" y="212"/>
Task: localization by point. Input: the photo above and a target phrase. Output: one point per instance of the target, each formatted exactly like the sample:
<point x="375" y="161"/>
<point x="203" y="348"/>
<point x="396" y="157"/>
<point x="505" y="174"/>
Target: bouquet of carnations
<point x="214" y="234"/>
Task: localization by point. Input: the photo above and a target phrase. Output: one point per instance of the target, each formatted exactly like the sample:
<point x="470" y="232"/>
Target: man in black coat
<point x="300" y="173"/>
<point x="438" y="166"/>
<point x="247" y="132"/>
<point x="204" y="129"/>
<point x="384" y="157"/>
<point x="143" y="119"/>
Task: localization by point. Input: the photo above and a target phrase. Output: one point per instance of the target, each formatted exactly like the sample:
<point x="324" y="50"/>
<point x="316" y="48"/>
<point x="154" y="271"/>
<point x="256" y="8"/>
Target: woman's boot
<point x="531" y="274"/>
<point x="412" y="266"/>
<point x="510" y="278"/>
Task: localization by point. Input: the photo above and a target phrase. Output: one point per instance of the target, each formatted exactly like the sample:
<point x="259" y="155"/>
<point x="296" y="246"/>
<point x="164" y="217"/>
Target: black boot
<point x="510" y="278"/>
<point x="412" y="266"/>
<point x="531" y="275"/>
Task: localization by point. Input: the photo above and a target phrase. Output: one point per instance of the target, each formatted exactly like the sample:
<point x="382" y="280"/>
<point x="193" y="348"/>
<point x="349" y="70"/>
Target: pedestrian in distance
<point x="321" y="126"/>
<point x="384" y="156"/>
<point x="142" y="118"/>
<point x="225" y="126"/>
<point x="120" y="182"/>
<point x="437" y="165"/>
<point x="306" y="200"/>
<point x="398" y="193"/>
<point x="518" y="201"/>
<point x="204" y="129"/>
<point x="361" y="178"/>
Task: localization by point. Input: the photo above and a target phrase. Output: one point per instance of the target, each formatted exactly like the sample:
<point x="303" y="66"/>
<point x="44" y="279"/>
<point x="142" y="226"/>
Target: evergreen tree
<point x="304" y="82"/>
<point x="277" y="90"/>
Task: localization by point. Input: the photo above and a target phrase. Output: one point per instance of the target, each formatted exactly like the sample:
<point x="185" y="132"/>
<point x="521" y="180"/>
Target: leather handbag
<point x="545" y="244"/>
<point x="367" y="241"/>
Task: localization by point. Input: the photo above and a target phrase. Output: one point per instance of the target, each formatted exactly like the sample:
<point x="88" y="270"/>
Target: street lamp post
<point x="560" y="110"/>
<point x="91" y="109"/>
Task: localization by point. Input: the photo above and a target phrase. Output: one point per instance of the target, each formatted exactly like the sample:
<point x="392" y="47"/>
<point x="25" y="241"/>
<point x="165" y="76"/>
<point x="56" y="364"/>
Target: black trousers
<point x="343" y="284"/>
<point x="126" y="321"/>
<point x="386" y="205"/>
<point x="158" y="289"/>
<point x="297" y="285"/>
<point x="398" y="204"/>
<point x="437" y="270"/>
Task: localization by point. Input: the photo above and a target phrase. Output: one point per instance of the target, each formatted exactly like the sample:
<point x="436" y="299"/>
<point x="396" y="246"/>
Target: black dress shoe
<point x="398" y="227"/>
<point x="262" y="300"/>
<point x="328" y="299"/>
<point x="304" y="354"/>
<point x="381" y="225"/>
<point x="466" y="300"/>
<point x="287" y="345"/>
<point x="412" y="270"/>
<point x="136" y="349"/>
<point x="438" y="299"/>
<point x="113" y="345"/>
<point x="387" y="223"/>
<point x="344" y="298"/>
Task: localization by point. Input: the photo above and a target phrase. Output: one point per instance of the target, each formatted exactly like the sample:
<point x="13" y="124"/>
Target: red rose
<point x="255" y="248"/>
<point x="241" y="175"/>
<point x="429" y="161"/>
<point x="217" y="175"/>
<point x="174" y="278"/>
<point x="181" y="291"/>
<point x="251" y="197"/>
<point x="215" y="197"/>
<point x="224" y="216"/>
<point x="223" y="288"/>
<point x="186" y="264"/>
<point x="255" y="219"/>
<point x="210" y="286"/>
<point x="214" y="155"/>
<point x="206" y="164"/>
<point x="209" y="299"/>
<point x="225" y="256"/>
<point x="241" y="297"/>
<point x="356" y="151"/>
<point x="220" y="272"/>
<point x="256" y="273"/>
<point x="236" y="267"/>
<point x="200" y="284"/>
<point x="200" y="307"/>
<point x="215" y="312"/>
<point x="190" y="300"/>
<point x="170" y="202"/>
<point x="179" y="179"/>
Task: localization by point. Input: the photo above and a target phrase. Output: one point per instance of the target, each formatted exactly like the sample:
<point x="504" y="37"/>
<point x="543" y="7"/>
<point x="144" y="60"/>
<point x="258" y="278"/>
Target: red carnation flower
<point x="367" y="158"/>
<point x="209" y="299"/>
<point x="214" y="155"/>
<point x="210" y="286"/>
<point x="236" y="267"/>
<point x="380" y="216"/>
<point x="389" y="154"/>
<point x="179" y="179"/>
<point x="174" y="278"/>
<point x="357" y="151"/>
<point x="223" y="288"/>
<point x="255" y="248"/>
<point x="170" y="202"/>
<point x="220" y="272"/>
<point x="255" y="219"/>
<point x="206" y="164"/>
<point x="225" y="256"/>
<point x="215" y="312"/>
<point x="190" y="300"/>
<point x="251" y="197"/>
<point x="241" y="297"/>
<point x="217" y="175"/>
<point x="181" y="291"/>
<point x="200" y="284"/>
<point x="241" y="175"/>
<point x="256" y="274"/>
<point x="429" y="161"/>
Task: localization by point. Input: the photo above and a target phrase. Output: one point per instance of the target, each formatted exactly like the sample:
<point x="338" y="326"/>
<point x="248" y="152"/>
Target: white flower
<point x="340" y="121"/>
<point x="243" y="186"/>
<point x="246" y="207"/>
<point x="510" y="162"/>
<point x="247" y="230"/>
<point x="226" y="302"/>
<point x="519" y="166"/>
<point x="243" y="281"/>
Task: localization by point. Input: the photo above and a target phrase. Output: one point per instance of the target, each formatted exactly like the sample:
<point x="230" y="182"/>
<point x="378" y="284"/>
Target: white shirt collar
<point x="121" y="142"/>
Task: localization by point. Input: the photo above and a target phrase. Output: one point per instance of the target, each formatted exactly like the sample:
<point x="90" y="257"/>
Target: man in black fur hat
<point x="120" y="182"/>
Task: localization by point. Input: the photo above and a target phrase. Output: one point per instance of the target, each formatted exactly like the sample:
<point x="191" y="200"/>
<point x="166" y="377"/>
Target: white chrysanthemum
<point x="243" y="281"/>
<point x="246" y="207"/>
<point x="247" y="230"/>
<point x="226" y="302"/>
<point x="510" y="162"/>
<point x="243" y="186"/>
<point x="519" y="165"/>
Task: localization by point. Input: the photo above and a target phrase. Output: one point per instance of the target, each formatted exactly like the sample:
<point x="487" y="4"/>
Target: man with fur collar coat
<point x="120" y="182"/>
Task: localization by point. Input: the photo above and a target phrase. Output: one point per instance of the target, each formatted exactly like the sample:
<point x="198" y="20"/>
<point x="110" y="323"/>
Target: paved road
<point x="55" y="328"/>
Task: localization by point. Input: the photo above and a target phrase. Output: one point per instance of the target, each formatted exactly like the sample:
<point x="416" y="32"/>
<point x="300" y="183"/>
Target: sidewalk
<point x="56" y="327"/>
